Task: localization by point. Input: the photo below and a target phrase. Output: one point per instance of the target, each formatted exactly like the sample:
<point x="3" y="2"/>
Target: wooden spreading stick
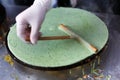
<point x="46" y="37"/>
<point x="80" y="39"/>
<point x="51" y="38"/>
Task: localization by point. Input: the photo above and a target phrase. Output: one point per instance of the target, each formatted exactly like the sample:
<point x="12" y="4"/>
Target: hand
<point x="32" y="17"/>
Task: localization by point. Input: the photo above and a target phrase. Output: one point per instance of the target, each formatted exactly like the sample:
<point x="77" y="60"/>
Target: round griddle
<point x="59" y="54"/>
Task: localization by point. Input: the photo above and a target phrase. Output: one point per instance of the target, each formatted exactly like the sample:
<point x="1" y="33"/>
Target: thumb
<point x="34" y="34"/>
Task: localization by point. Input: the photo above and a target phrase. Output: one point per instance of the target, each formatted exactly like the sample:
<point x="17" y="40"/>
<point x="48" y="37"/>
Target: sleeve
<point x="54" y="3"/>
<point x="62" y="3"/>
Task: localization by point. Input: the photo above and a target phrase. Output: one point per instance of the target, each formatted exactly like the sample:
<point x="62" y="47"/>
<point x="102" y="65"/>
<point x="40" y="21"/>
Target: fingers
<point x="29" y="18"/>
<point x="21" y="27"/>
<point x="21" y="31"/>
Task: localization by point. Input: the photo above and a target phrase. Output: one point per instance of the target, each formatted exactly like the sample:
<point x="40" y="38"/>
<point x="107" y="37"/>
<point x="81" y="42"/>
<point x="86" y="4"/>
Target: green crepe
<point x="58" y="53"/>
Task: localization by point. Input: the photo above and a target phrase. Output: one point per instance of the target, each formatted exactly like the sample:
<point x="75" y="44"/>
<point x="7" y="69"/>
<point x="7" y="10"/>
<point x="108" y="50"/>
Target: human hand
<point x="33" y="18"/>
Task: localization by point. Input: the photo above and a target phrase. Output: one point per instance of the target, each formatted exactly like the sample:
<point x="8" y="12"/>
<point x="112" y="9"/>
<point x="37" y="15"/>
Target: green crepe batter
<point x="58" y="53"/>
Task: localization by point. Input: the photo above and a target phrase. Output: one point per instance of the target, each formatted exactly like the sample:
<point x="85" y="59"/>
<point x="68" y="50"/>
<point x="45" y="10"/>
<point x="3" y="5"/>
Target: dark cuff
<point x="64" y="3"/>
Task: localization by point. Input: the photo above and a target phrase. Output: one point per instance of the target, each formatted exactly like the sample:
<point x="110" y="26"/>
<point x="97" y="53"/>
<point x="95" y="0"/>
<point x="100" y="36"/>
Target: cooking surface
<point x="60" y="53"/>
<point x="110" y="61"/>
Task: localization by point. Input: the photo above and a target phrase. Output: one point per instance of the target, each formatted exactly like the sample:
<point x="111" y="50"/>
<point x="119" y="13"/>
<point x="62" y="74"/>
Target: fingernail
<point x="34" y="41"/>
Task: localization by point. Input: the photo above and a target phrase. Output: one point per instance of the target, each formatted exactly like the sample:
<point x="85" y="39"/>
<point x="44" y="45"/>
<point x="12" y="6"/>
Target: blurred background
<point x="13" y="7"/>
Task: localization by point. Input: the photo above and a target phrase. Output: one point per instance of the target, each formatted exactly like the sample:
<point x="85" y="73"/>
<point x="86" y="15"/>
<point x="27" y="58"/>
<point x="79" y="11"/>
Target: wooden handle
<point x="76" y="36"/>
<point x="51" y="38"/>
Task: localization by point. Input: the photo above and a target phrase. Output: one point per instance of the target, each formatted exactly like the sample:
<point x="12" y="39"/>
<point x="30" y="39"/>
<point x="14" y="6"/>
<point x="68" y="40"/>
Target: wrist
<point x="42" y="3"/>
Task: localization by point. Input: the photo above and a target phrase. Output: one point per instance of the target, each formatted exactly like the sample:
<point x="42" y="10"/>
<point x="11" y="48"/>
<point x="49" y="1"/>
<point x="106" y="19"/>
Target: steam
<point x="103" y="6"/>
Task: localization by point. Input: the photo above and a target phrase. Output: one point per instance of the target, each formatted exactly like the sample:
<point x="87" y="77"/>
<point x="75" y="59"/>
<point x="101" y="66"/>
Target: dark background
<point x="109" y="6"/>
<point x="100" y="6"/>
